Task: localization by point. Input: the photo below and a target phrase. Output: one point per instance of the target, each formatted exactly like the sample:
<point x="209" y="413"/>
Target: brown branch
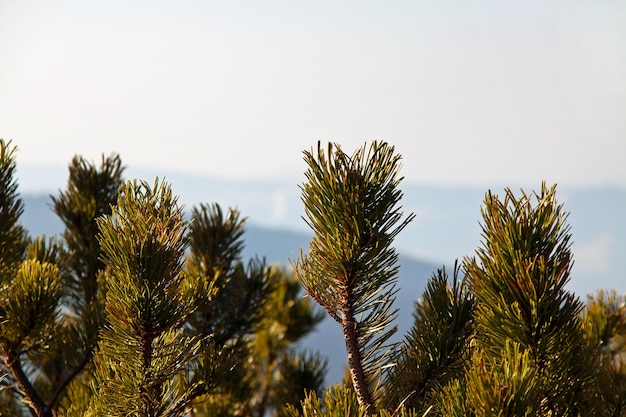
<point x="355" y="362"/>
<point x="185" y="402"/>
<point x="37" y="404"/>
<point x="69" y="377"/>
<point x="314" y="295"/>
<point x="151" y="391"/>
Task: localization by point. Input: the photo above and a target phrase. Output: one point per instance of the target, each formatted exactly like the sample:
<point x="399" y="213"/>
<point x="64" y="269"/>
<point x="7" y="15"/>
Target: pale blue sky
<point x="470" y="92"/>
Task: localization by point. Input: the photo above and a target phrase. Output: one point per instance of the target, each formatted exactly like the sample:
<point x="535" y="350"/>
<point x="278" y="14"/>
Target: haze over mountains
<point x="446" y="228"/>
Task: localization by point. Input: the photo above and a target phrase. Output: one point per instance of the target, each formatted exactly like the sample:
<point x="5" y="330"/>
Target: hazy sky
<point x="468" y="91"/>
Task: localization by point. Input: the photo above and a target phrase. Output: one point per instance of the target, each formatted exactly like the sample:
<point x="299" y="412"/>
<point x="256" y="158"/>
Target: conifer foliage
<point x="436" y="349"/>
<point x="250" y="316"/>
<point x="504" y="337"/>
<point x="139" y="310"/>
<point x="90" y="193"/>
<point x="31" y="293"/>
<point x="604" y="318"/>
<point x="143" y="353"/>
<point x="351" y="204"/>
<point x="524" y="314"/>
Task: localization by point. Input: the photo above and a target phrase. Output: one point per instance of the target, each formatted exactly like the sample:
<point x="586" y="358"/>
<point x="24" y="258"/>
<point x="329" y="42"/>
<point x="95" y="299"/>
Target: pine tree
<point x="31" y="292"/>
<point x="229" y="297"/>
<point x="284" y="374"/>
<point x="437" y="347"/>
<point x="351" y="268"/>
<point x="12" y="248"/>
<point x="143" y="355"/>
<point x="215" y="257"/>
<point x="532" y="356"/>
<point x="12" y="234"/>
<point x="90" y="193"/>
<point x="254" y="316"/>
<point x="299" y="374"/>
<point x="605" y="324"/>
<point x="209" y="315"/>
<point x="136" y="311"/>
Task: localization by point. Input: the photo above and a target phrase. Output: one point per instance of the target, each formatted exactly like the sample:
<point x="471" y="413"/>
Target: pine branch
<point x="60" y="389"/>
<point x="436" y="348"/>
<point x="90" y="193"/>
<point x="12" y="235"/>
<point x="518" y="278"/>
<point x="351" y="205"/>
<point x="142" y="364"/>
<point x="349" y="326"/>
<point x="12" y="361"/>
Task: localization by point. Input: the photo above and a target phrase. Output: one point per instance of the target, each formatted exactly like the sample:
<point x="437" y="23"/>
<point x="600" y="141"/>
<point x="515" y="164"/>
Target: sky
<point x="468" y="92"/>
<point x="481" y="93"/>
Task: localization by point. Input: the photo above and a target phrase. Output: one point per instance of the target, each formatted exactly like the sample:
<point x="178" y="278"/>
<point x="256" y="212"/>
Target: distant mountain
<point x="277" y="246"/>
<point x="447" y="222"/>
<point x="446" y="226"/>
